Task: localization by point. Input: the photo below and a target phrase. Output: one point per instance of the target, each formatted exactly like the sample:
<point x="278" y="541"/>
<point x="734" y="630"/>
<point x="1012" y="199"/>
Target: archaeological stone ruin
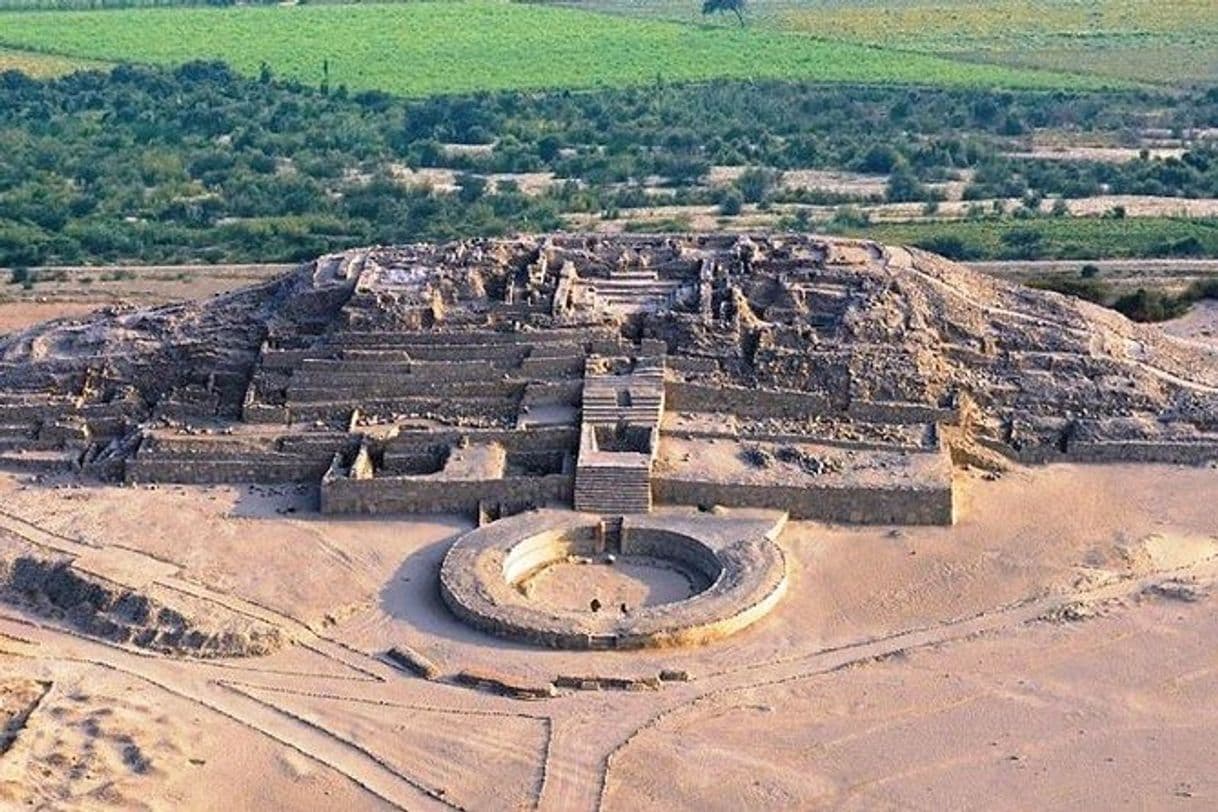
<point x="789" y="376"/>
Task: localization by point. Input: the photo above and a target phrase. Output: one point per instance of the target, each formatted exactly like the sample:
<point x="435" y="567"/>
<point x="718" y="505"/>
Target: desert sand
<point x="1055" y="647"/>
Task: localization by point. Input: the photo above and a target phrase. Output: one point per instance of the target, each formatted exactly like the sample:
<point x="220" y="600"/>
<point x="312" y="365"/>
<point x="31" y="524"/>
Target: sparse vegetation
<point x="200" y="164"/>
<point x="1142" y="304"/>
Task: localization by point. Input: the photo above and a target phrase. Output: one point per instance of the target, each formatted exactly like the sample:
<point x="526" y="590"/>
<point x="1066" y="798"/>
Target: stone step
<point x="629" y="494"/>
<point x="638" y="414"/>
<point x="611" y="486"/>
<point x="590" y="475"/>
<point x="613" y="471"/>
<point x="628" y="296"/>
<point x="634" y="499"/>
<point x="595" y="506"/>
<point x="608" y="404"/>
<point x="611" y="499"/>
<point x="609" y="397"/>
<point x="584" y="497"/>
<point x="631" y="273"/>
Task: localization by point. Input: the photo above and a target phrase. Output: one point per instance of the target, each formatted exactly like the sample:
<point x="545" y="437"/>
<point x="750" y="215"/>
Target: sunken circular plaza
<point x="730" y="569"/>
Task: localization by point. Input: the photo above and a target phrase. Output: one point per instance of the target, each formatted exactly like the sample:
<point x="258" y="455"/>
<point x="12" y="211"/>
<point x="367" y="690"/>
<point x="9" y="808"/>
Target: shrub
<point x="950" y="246"/>
<point x="731" y="204"/>
<point x="755" y="184"/>
<point x="1151" y="305"/>
<point x="1092" y="290"/>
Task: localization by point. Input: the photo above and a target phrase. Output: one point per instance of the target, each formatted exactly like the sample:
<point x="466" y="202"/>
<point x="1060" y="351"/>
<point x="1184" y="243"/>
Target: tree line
<point x="199" y="163"/>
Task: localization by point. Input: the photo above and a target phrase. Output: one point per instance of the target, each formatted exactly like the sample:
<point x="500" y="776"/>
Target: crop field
<point x="1152" y="40"/>
<point x="1058" y="238"/>
<point x="39" y="65"/>
<point x="470" y="45"/>
<point x="1167" y="41"/>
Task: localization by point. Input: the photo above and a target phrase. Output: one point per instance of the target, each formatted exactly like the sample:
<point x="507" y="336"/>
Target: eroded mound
<point x="54" y="589"/>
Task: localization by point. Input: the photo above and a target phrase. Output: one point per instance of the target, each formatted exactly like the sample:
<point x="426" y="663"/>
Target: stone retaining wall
<point x="694" y="397"/>
<point x="857" y="505"/>
<point x="420" y="495"/>
<point x="1111" y="452"/>
<point x="210" y="472"/>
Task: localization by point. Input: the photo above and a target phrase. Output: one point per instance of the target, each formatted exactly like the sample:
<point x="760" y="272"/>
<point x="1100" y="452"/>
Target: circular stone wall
<point x="734" y="570"/>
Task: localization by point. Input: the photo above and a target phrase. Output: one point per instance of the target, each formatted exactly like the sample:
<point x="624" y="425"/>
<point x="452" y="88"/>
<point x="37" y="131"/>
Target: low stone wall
<point x="486" y="408"/>
<point x="422" y="495"/>
<point x="282" y="360"/>
<point x="858" y="505"/>
<point x="378" y="387"/>
<point x="40" y="462"/>
<point x="1145" y="452"/>
<point x="93" y="606"/>
<point x="748" y="436"/>
<point x="211" y="472"/>
<point x="695" y="397"/>
<point x="566" y="393"/>
<point x="263" y="413"/>
<point x="1109" y="452"/>
<point x="763" y="403"/>
<point x="692" y="365"/>
<point x="553" y="367"/>
<point x="37" y="412"/>
<point x="548" y="438"/>
<point x="896" y="412"/>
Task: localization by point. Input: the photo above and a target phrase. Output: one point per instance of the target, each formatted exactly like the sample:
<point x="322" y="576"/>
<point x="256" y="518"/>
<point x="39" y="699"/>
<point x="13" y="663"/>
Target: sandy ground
<point x="845" y="183"/>
<point x="447" y="180"/>
<point x="1200" y="323"/>
<point x="75" y="291"/>
<point x="1102" y="154"/>
<point x="1110" y="713"/>
<point x="1042" y="652"/>
<point x="628" y="582"/>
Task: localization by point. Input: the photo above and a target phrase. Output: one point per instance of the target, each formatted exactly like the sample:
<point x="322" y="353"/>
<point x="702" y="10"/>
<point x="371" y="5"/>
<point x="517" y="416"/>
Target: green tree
<point x="755" y="183"/>
<point x="903" y="185"/>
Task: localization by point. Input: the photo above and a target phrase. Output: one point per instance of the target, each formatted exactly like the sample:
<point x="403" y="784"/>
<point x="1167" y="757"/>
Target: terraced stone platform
<point x="833" y="379"/>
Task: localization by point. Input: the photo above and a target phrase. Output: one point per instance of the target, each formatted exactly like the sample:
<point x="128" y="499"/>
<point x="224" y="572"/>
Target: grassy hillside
<point x="468" y="45"/>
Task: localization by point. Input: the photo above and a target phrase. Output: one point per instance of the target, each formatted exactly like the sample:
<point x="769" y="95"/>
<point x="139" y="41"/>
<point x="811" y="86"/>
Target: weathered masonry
<point x="827" y="379"/>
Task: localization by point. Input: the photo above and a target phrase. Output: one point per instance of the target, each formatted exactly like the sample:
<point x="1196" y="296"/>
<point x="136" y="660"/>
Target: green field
<point x="1054" y="238"/>
<point x="1169" y="41"/>
<point x="469" y="45"/>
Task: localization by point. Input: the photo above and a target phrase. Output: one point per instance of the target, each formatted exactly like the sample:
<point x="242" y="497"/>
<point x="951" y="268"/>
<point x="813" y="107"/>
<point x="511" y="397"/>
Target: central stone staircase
<point x="619" y="438"/>
<point x="610" y="489"/>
